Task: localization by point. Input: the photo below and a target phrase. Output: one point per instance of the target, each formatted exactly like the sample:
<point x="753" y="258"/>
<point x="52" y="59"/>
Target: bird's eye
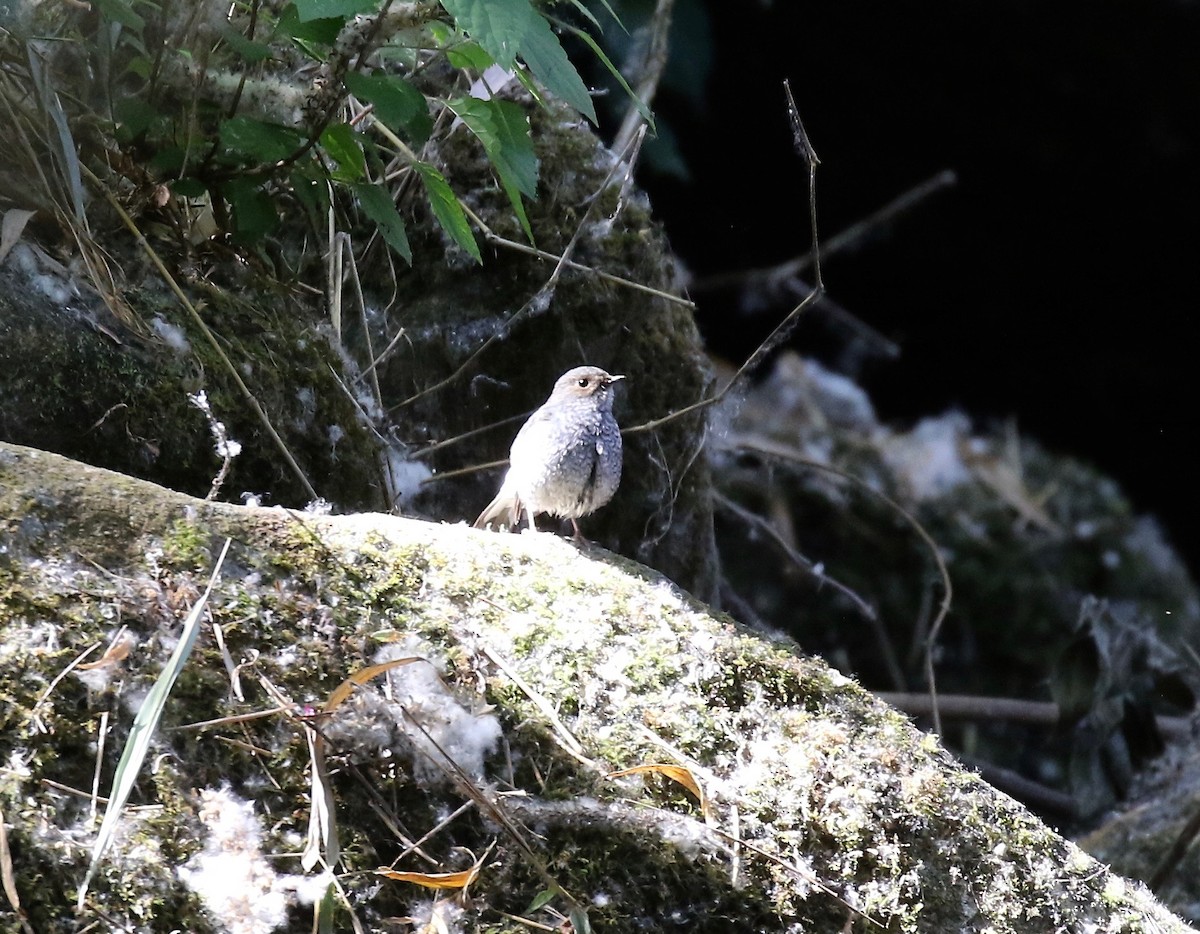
<point x="583" y="382"/>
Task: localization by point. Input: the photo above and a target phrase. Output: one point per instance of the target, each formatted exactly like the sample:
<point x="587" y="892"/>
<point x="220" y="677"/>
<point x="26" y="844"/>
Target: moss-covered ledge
<point x="555" y="666"/>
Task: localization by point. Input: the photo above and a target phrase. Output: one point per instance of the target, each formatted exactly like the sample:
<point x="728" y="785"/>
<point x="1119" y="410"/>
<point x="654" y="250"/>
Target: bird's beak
<point x="613" y="379"/>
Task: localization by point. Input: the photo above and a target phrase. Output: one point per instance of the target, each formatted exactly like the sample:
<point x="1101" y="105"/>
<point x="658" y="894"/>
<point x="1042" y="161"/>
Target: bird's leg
<point x="579" y="536"/>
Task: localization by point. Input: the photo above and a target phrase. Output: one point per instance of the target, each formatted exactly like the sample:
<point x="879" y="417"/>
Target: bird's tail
<point x="504" y="512"/>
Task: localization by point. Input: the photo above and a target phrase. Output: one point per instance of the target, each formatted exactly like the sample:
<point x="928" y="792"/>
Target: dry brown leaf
<point x="677" y="773"/>
<point x="118" y="650"/>
<point x="433" y="880"/>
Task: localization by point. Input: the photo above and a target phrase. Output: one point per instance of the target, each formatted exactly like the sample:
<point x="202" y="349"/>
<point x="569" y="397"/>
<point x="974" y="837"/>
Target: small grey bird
<point x="566" y="459"/>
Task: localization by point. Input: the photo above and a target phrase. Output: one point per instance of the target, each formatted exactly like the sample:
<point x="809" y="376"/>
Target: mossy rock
<point x="526" y="671"/>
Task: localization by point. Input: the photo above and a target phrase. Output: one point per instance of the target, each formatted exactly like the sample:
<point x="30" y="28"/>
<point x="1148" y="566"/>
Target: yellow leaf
<point x="677" y="773"/>
<point x="117" y="652"/>
<point x="433" y="880"/>
<point x="362" y="676"/>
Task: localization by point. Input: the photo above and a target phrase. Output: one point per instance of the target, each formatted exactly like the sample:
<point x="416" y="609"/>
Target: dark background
<point x="1055" y="283"/>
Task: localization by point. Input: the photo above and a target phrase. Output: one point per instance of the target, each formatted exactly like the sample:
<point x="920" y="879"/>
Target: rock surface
<point x="524" y="673"/>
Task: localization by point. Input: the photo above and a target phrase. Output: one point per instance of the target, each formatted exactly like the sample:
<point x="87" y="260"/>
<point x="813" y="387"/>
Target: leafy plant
<point x="211" y="106"/>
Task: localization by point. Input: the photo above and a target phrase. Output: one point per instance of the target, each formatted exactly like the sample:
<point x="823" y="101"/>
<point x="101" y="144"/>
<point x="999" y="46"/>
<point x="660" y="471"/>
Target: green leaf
<point x="342" y="145"/>
<point x="544" y="55"/>
<point x="249" y="50"/>
<point x="469" y="54"/>
<point x="188" y="187"/>
<point x="135" y="115"/>
<point x="308" y="10"/>
<point x="317" y="31"/>
<point x="312" y="193"/>
<point x="140" y="66"/>
<point x="323" y="910"/>
<point x="580" y="923"/>
<point x="447" y="210"/>
<point x="599" y="53"/>
<point x="541" y="900"/>
<point x="377" y="204"/>
<point x="510" y="28"/>
<point x="582" y="8"/>
<point x="264" y="142"/>
<point x="503" y="129"/>
<point x="121" y="11"/>
<point x="608" y="8"/>
<point x="169" y="160"/>
<point x="254" y="213"/>
<point x="144" y="724"/>
<point x="497" y="25"/>
<point x="397" y="103"/>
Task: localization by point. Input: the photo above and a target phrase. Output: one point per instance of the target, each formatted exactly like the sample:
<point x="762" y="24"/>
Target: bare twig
<point x="846" y="239"/>
<point x="780" y="452"/>
<point x="757" y="522"/>
<point x="1024" y="789"/>
<point x="868" y="612"/>
<point x="450" y="442"/>
<point x="518" y="247"/>
<point x="649" y="71"/>
<point x="490" y="806"/>
<point x="1175" y="853"/>
<point x="785" y="327"/>
<point x="973" y="707"/>
<point x="198" y="321"/>
<point x="75" y="662"/>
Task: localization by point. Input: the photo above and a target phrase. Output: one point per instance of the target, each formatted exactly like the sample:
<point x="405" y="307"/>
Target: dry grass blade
<point x="204" y="329"/>
<point x="570" y="743"/>
<point x="67" y="156"/>
<point x="489" y="805"/>
<point x="322" y="844"/>
<point x="9" y="880"/>
<point x="362" y="676"/>
<point x="144" y="724"/>
<point x="11" y="229"/>
<point x="800" y="872"/>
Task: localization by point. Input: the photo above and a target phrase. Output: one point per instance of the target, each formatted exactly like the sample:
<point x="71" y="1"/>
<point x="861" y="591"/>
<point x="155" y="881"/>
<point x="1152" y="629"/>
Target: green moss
<point x="186" y="546"/>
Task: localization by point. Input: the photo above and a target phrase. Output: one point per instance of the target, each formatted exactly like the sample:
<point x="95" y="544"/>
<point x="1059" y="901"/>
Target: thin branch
<point x="1024" y="789"/>
<point x="1175" y="853"/>
<point x="785" y="327"/>
<point x="208" y="335"/>
<point x="974" y="707"/>
<point x="780" y="452"/>
<point x="518" y="247"/>
<point x="650" y="71"/>
<point x="755" y="521"/>
<point x="847" y="239"/>
<point x="450" y="442"/>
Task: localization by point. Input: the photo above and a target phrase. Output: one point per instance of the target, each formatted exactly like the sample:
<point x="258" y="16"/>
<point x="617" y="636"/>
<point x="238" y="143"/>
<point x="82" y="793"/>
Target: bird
<point x="566" y="459"/>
